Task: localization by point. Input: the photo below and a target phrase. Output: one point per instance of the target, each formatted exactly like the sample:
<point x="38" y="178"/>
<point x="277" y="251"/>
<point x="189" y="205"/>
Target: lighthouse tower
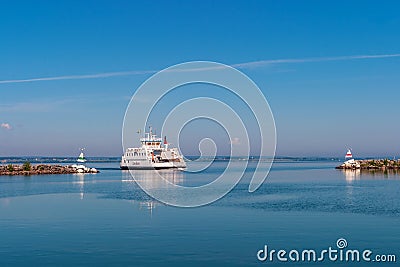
<point x="349" y="155"/>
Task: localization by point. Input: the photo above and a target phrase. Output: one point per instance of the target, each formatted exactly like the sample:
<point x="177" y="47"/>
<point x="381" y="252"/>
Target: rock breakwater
<point x="371" y="164"/>
<point x="27" y="169"/>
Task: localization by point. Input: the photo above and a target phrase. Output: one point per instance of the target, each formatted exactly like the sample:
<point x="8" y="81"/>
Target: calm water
<point x="106" y="220"/>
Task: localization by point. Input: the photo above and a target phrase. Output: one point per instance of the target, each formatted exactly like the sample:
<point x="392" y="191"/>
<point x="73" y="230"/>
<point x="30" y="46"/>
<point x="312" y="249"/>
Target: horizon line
<point x="275" y="157"/>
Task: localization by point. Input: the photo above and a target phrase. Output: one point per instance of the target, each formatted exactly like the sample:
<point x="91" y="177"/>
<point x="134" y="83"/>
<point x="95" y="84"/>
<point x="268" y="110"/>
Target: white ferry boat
<point x="153" y="154"/>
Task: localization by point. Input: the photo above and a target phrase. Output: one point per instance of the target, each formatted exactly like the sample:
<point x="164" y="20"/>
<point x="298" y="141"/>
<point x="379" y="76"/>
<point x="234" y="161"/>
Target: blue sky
<point x="326" y="91"/>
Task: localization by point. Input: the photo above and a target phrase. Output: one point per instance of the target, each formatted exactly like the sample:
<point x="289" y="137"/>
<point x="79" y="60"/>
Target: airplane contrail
<point x="79" y="77"/>
<point x="244" y="65"/>
<point x="305" y="60"/>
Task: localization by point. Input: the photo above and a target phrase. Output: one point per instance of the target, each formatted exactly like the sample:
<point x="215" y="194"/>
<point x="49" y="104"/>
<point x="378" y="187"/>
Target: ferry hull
<point x="154" y="166"/>
<point x="148" y="168"/>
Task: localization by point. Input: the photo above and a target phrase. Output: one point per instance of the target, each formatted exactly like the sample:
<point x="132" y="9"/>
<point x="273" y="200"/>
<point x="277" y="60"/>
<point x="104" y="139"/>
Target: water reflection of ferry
<point x="153" y="154"/>
<point x="153" y="179"/>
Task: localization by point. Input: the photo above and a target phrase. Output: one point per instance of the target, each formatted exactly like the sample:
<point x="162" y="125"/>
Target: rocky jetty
<point x="371" y="164"/>
<point x="28" y="169"/>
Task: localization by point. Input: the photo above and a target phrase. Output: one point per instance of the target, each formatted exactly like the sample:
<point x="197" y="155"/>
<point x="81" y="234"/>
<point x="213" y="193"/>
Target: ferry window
<point x="148" y="143"/>
<point x="158" y="144"/>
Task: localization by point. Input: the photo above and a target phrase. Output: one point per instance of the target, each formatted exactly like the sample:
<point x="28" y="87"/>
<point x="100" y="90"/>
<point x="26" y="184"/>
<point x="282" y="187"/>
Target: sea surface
<point x="105" y="219"/>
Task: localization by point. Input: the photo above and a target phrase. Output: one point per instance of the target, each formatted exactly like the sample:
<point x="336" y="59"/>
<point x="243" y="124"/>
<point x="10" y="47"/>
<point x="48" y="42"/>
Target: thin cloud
<point x="6" y="126"/>
<point x="244" y="65"/>
<point x="50" y="104"/>
<point x="261" y="63"/>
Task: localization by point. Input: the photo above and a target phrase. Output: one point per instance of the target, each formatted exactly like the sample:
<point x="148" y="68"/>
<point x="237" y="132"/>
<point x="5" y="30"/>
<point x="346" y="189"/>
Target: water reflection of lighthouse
<point x="80" y="181"/>
<point x="352" y="175"/>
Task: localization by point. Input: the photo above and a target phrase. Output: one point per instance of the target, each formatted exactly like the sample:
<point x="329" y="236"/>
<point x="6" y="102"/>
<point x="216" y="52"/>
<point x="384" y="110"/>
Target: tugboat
<point x="153" y="154"/>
